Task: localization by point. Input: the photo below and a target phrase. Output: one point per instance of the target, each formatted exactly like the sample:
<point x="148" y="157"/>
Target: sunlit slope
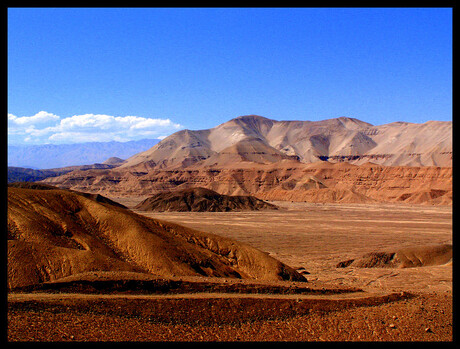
<point x="261" y="140"/>
<point x="57" y="233"/>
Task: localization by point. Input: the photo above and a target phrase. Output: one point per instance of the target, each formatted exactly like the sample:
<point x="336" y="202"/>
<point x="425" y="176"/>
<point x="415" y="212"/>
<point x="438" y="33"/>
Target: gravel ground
<point x="315" y="237"/>
<point x="426" y="317"/>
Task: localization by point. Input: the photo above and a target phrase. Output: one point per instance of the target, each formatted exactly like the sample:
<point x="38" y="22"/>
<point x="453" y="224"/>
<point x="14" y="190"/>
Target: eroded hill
<point x="57" y="233"/>
<point x="408" y="257"/>
<point x="201" y="200"/>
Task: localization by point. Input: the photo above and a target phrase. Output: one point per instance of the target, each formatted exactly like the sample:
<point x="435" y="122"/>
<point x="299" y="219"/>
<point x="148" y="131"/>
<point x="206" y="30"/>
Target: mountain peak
<point x="348" y="120"/>
<point x="257" y="138"/>
<point x="251" y="117"/>
<point x="252" y="121"/>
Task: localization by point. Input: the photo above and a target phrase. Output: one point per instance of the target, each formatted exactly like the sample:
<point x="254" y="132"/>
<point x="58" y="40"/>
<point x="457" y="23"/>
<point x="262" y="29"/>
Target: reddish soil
<point x="427" y="317"/>
<point x="312" y="239"/>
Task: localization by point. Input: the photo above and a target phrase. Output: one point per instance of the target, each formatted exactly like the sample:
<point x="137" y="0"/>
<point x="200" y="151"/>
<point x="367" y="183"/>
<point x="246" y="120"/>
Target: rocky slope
<point x="57" y="233"/>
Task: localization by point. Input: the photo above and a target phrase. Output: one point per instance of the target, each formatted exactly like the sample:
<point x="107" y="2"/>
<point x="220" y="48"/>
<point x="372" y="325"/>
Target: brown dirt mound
<point x="425" y="256"/>
<point x="201" y="200"/>
<point x="57" y="233"/>
<point x="403" y="258"/>
<point x="427" y="197"/>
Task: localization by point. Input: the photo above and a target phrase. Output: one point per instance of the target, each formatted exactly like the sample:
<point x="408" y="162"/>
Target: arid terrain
<point x="316" y="237"/>
<point x="341" y="160"/>
<point x="254" y="230"/>
<point x="336" y="304"/>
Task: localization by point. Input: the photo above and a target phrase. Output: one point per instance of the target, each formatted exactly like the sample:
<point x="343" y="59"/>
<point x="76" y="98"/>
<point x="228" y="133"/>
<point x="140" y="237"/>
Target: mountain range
<point x="334" y="160"/>
<point x="257" y="139"/>
<point x="50" y="156"/>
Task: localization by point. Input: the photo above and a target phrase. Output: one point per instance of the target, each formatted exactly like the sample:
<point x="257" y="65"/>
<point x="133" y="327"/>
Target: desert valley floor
<point x="317" y="237"/>
<point x="415" y="304"/>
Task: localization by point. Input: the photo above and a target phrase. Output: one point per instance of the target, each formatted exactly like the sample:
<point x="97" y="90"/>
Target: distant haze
<point x="53" y="156"/>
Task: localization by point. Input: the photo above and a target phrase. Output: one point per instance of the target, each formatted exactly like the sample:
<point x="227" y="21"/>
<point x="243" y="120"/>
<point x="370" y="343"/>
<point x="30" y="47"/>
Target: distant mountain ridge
<point x="55" y="156"/>
<point x="335" y="160"/>
<point x="23" y="174"/>
<point x="254" y="138"/>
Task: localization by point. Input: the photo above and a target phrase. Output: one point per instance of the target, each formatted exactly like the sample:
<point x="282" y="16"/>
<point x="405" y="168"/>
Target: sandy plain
<point x="312" y="238"/>
<point x="318" y="236"/>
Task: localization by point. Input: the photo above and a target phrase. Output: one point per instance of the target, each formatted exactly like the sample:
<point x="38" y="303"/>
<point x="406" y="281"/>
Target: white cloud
<point x="149" y="123"/>
<point x="45" y="127"/>
<point x="40" y="117"/>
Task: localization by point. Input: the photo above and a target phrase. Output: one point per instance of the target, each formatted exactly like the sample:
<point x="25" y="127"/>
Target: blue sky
<point x="85" y="74"/>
